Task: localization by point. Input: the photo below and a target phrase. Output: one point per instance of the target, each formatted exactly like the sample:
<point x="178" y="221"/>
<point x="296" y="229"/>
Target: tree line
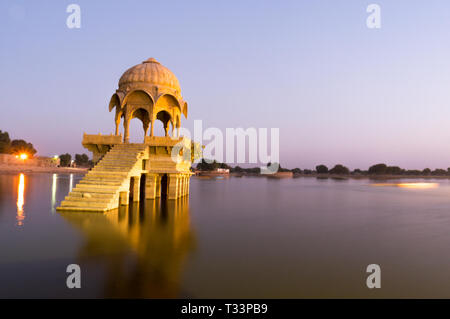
<point x="81" y="160"/>
<point x="15" y="147"/>
<point x="338" y="169"/>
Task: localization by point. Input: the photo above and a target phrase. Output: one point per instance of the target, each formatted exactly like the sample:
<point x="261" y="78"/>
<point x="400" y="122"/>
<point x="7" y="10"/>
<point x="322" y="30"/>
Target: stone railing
<point x="100" y="139"/>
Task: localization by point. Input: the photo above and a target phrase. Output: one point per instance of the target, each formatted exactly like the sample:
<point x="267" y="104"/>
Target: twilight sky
<point x="338" y="91"/>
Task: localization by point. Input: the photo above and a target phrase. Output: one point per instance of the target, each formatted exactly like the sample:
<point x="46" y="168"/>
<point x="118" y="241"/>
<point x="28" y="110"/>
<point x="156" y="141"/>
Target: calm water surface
<point x="235" y="237"/>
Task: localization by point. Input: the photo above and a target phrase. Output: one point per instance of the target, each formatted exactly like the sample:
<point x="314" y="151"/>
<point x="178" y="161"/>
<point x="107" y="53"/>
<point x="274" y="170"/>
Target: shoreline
<point x="5" y="169"/>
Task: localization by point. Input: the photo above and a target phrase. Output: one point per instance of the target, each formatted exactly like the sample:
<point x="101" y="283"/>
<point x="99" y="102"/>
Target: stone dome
<point x="150" y="73"/>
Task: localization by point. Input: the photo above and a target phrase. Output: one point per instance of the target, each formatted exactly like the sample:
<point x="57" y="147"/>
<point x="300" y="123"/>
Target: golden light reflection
<point x="54" y="179"/>
<point x="71" y="183"/>
<point x="23" y="156"/>
<point x="409" y="185"/>
<point x="20" y="200"/>
<point x="157" y="233"/>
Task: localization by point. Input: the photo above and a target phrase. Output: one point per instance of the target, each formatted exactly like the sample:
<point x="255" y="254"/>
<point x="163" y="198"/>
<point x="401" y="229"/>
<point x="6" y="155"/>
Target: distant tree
<point x="21" y="146"/>
<point x="5" y="142"/>
<point x="253" y="170"/>
<point x="81" y="160"/>
<point x="413" y="172"/>
<point x="339" y="169"/>
<point x="394" y="170"/>
<point x="65" y="159"/>
<point x="321" y="169"/>
<point x="282" y="169"/>
<point x="426" y="171"/>
<point x="297" y="170"/>
<point x="237" y="169"/>
<point x="224" y="165"/>
<point x="439" y="172"/>
<point x="378" y="169"/>
<point x="357" y="171"/>
<point x="307" y="171"/>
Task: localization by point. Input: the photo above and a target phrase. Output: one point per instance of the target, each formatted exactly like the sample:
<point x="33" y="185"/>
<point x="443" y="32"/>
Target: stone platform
<point x="159" y="167"/>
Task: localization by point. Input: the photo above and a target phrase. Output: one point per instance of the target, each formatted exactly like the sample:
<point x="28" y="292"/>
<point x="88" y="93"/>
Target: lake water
<point x="233" y="238"/>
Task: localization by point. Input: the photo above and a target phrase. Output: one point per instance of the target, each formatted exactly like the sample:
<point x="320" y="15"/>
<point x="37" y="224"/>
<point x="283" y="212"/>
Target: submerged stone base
<point x="159" y="167"/>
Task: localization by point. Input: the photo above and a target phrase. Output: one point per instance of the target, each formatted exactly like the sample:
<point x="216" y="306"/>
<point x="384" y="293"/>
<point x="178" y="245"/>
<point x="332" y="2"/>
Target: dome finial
<point x="151" y="60"/>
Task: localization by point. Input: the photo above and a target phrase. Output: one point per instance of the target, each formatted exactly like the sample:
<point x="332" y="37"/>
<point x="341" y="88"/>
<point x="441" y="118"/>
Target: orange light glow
<point x="410" y="185"/>
<point x="20" y="200"/>
<point x="23" y="156"/>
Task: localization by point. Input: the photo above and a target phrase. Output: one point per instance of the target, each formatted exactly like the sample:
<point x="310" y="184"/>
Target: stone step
<point x="100" y="173"/>
<point x="121" y="154"/>
<point x="83" y="204"/>
<point x="87" y="188"/>
<point x="92" y="192"/>
<point x="96" y="182"/>
<point x="93" y="195"/>
<point x="105" y="200"/>
<point x="86" y="209"/>
<point x="108" y="167"/>
<point x="101" y="180"/>
<point x="96" y="186"/>
<point x="117" y="163"/>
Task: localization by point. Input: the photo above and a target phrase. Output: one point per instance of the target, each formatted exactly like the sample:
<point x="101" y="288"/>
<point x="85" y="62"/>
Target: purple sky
<point x="338" y="91"/>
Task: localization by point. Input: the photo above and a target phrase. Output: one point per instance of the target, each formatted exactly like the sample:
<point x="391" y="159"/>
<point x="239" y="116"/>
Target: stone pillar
<point x="186" y="181"/>
<point x="126" y="126"/>
<point x="152" y="123"/>
<point x="187" y="184"/>
<point x="158" y="186"/>
<point x="173" y="186"/>
<point x="136" y="187"/>
<point x="145" y="127"/>
<point x="150" y="186"/>
<point x="124" y="198"/>
<point x="117" y="119"/>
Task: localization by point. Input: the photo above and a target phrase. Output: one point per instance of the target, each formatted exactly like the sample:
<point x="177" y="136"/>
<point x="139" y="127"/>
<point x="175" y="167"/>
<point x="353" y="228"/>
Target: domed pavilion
<point x="159" y="167"/>
<point x="148" y="91"/>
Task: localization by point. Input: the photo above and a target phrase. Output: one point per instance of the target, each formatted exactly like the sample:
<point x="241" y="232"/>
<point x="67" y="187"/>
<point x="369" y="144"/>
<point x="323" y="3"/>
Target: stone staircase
<point x="100" y="187"/>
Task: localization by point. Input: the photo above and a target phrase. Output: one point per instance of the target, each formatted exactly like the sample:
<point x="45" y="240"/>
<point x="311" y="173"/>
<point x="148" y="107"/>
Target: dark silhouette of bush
<point x="439" y="172"/>
<point x="339" y="169"/>
<point x="65" y="159"/>
<point x="21" y="146"/>
<point x="81" y="160"/>
<point x="378" y="169"/>
<point x="5" y="142"/>
<point x="394" y="170"/>
<point x="321" y="169"/>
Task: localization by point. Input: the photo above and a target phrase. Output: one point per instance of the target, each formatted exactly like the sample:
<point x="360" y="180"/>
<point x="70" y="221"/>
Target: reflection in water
<point x="142" y="246"/>
<point x="71" y="183"/>
<point x="55" y="176"/>
<point x="410" y="185"/>
<point x="20" y="200"/>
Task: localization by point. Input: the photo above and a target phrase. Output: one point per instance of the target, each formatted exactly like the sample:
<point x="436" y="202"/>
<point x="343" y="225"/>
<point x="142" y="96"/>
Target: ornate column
<point x="173" y="186"/>
<point x="117" y="120"/>
<point x="150" y="186"/>
<point x="145" y="126"/>
<point x="152" y="123"/>
<point x="158" y="186"/>
<point x="136" y="188"/>
<point x="126" y="126"/>
<point x="124" y="198"/>
<point x="186" y="183"/>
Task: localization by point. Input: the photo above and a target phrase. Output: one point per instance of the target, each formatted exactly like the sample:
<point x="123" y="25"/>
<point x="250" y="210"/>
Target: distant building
<point x="40" y="161"/>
